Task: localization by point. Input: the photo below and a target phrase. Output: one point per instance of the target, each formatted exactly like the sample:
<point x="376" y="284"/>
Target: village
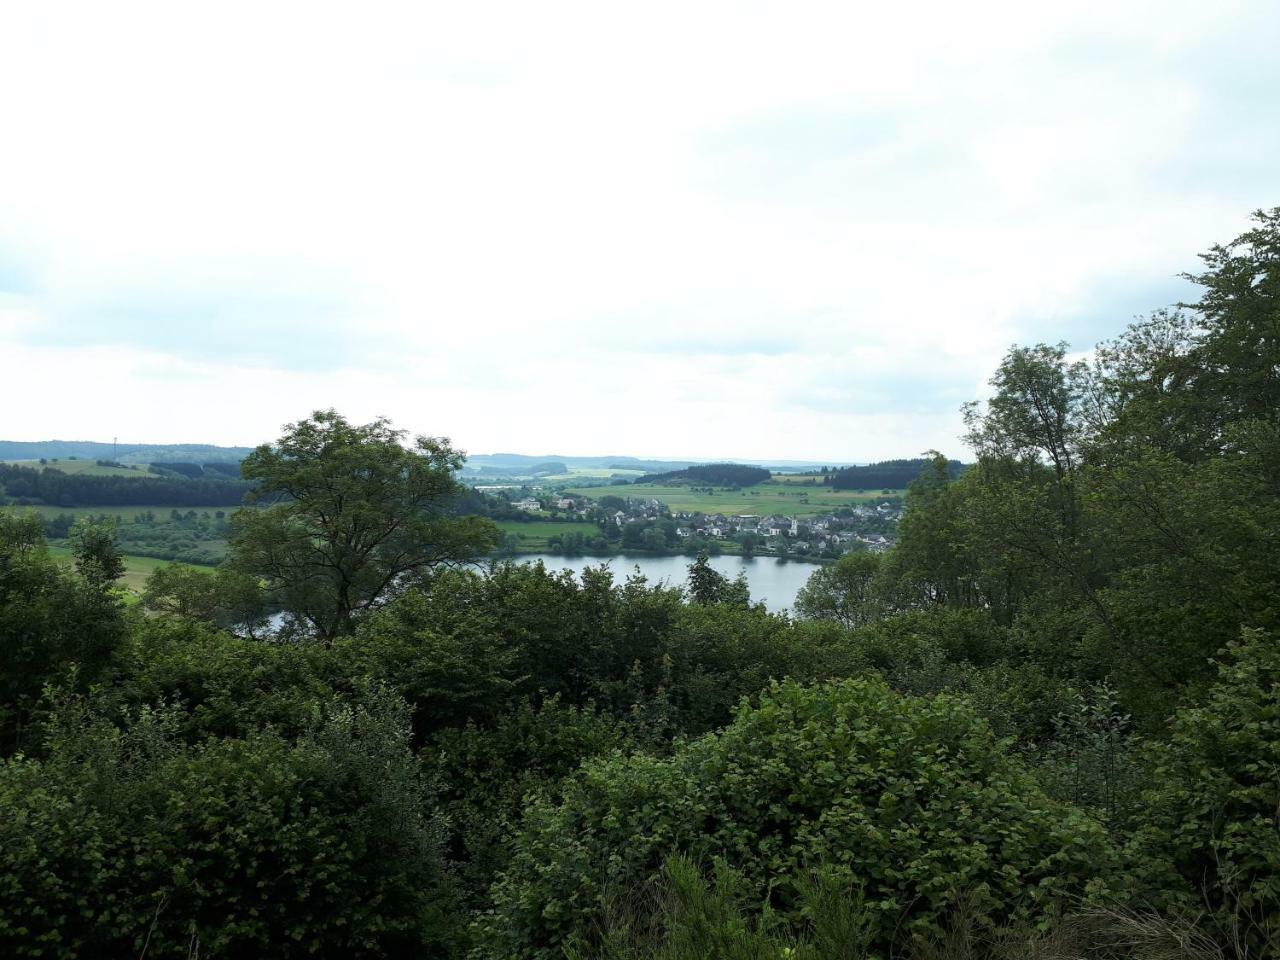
<point x="648" y="523"/>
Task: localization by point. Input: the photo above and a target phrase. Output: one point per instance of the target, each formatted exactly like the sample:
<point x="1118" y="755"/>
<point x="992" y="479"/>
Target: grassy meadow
<point x="84" y="467"/>
<point x="591" y="473"/>
<point x="136" y="569"/>
<point x="533" y="534"/>
<point x="777" y="496"/>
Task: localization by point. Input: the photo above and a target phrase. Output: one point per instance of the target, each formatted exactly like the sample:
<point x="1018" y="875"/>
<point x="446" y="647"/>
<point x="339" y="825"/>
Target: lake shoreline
<point x="774" y="581"/>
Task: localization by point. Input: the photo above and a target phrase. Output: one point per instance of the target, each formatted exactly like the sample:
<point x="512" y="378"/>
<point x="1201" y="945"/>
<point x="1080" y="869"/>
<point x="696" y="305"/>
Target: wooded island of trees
<point x="1045" y="724"/>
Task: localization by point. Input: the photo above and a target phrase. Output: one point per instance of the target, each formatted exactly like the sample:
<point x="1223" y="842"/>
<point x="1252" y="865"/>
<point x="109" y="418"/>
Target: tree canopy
<point x="351" y="513"/>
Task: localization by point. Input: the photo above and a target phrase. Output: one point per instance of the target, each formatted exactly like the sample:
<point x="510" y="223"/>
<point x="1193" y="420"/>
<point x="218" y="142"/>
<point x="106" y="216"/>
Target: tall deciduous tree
<point x="846" y="591"/>
<point x="353" y="512"/>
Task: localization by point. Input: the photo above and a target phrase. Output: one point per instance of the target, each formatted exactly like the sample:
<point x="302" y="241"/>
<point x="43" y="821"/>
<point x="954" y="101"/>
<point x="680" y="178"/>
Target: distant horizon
<point x="125" y="448"/>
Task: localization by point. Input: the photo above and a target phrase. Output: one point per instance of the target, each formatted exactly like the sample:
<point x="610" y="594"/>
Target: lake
<point x="774" y="582"/>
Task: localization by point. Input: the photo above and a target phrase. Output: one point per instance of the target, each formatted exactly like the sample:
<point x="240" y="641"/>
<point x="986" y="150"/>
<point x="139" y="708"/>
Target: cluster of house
<point x="816" y="533"/>
<point x="532" y="504"/>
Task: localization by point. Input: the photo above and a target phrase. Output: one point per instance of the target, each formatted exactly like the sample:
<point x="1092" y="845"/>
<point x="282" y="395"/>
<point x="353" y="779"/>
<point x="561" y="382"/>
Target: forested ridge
<point x="1046" y="724"/>
<point x="885" y="475"/>
<point x="191" y="486"/>
<point x="725" y="474"/>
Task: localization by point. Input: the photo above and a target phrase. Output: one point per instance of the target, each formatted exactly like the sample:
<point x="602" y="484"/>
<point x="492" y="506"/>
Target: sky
<point x="743" y="230"/>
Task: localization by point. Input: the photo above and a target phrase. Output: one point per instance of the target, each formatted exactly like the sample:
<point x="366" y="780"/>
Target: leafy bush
<point x="486" y="773"/>
<point x="52" y="622"/>
<point x="227" y="686"/>
<point x="1212" y="813"/>
<point x="125" y="842"/>
<point x="913" y="798"/>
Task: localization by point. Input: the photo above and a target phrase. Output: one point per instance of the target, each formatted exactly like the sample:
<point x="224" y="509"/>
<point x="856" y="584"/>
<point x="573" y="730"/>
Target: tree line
<point x="885" y="475"/>
<point x="719" y="474"/>
<point x="52" y="487"/>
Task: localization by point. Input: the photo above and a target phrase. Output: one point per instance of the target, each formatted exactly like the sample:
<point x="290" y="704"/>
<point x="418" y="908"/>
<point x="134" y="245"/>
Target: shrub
<point x="914" y="798"/>
<point x="228" y="686"/>
<point x="1212" y="813"/>
<point x="487" y="773"/>
<point x="125" y="842"/>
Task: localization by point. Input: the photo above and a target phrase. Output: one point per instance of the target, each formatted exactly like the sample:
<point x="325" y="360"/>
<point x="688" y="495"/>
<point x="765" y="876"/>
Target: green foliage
<point x="914" y="797"/>
<point x="98" y="560"/>
<point x="715" y="656"/>
<point x="224" y="598"/>
<point x="1211" y="812"/>
<point x="355" y="513"/>
<point x="1092" y="760"/>
<point x="708" y="585"/>
<point x="52" y="623"/>
<point x="487" y="773"/>
<point x="888" y="474"/>
<point x="847" y="591"/>
<point x="1120" y="515"/>
<point x="227" y="686"/>
<point x="580" y="639"/>
<point x="719" y="474"/>
<point x="447" y="675"/>
<point x="124" y="842"/>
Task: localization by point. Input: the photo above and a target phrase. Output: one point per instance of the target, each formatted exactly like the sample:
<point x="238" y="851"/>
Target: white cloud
<point x="670" y="229"/>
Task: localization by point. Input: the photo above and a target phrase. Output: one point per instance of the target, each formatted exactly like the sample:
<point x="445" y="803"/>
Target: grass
<point x="82" y="467"/>
<point x="592" y="473"/>
<point x="783" y="497"/>
<point x="136" y="569"/>
<point x="533" y="534"/>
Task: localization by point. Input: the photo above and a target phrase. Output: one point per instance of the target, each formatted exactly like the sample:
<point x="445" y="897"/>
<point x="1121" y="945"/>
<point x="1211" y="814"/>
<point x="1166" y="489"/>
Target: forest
<point x="717" y="474"/>
<point x="1046" y="724"/>
<point x="185" y="485"/>
<point x="885" y="475"/>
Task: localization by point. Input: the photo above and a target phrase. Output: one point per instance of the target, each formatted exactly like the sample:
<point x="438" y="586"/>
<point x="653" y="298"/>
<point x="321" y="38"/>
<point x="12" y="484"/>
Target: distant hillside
<point x="715" y="474"/>
<point x="122" y="452"/>
<point x="520" y="463"/>
<point x="48" y="486"/>
<point x="886" y="475"/>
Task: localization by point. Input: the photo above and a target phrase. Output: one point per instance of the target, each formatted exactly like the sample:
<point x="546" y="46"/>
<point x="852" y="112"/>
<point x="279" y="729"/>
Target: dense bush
<point x="1212" y="811"/>
<point x="53" y="621"/>
<point x="227" y="686"/>
<point x="914" y="798"/>
<point x="124" y="842"/>
<point x="487" y="772"/>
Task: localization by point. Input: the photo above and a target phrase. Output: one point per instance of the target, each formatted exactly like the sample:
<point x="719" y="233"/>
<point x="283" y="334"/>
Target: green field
<point x="136" y="569"/>
<point x="533" y="534"/>
<point x="783" y="497"/>
<point x="592" y="473"/>
<point x="202" y="541"/>
<point x="84" y="467"/>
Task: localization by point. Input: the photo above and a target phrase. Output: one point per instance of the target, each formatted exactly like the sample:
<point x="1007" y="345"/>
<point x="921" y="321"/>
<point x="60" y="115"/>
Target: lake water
<point x="774" y="582"/>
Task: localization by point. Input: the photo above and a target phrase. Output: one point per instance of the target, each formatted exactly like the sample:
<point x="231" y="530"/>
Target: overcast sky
<point x="749" y="230"/>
